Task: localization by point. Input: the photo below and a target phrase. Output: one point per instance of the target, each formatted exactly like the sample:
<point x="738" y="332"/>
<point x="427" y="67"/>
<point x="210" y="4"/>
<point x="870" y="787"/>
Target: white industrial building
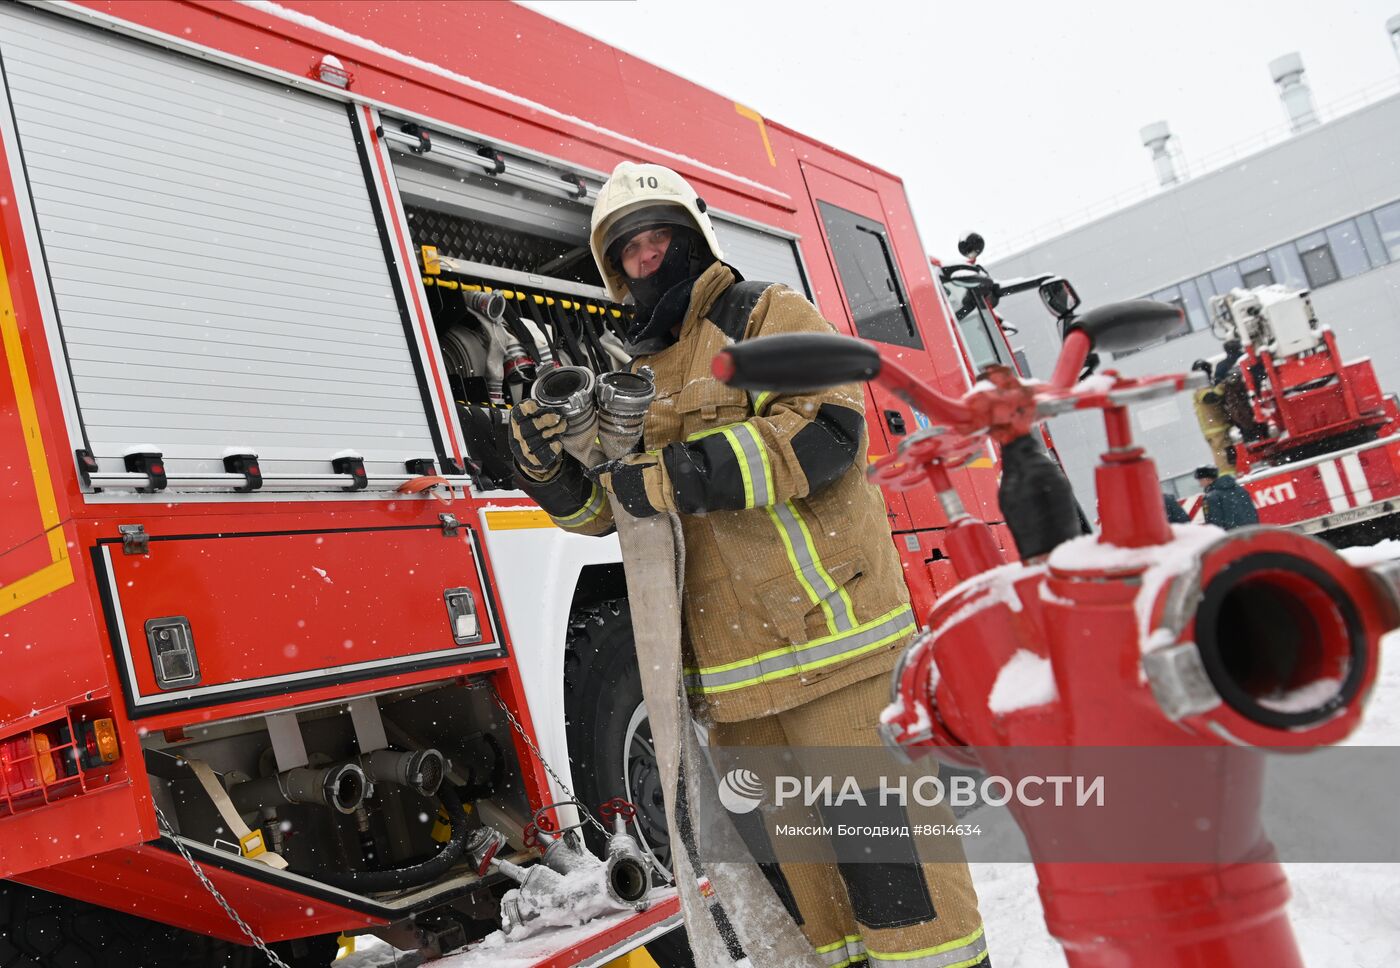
<point x="1320" y="209"/>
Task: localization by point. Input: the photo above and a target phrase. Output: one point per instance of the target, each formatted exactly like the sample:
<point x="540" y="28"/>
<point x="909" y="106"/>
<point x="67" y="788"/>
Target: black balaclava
<point x="663" y="297"/>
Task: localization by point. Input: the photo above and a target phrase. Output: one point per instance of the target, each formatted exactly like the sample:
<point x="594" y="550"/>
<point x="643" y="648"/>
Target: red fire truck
<point x="271" y="607"/>
<point x="1317" y="441"/>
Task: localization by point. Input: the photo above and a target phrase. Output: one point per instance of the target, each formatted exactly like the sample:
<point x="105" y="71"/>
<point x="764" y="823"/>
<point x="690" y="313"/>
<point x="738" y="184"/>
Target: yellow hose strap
<point x="250" y="842"/>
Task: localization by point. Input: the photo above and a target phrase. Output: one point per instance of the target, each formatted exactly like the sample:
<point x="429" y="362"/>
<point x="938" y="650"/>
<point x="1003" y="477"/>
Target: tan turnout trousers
<point x="915" y="915"/>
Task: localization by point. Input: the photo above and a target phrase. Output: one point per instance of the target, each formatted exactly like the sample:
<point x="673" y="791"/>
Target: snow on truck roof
<point x="339" y="33"/>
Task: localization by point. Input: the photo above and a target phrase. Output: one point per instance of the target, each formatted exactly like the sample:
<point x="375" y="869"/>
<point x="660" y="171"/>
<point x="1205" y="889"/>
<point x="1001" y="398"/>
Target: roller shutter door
<point x="759" y="255"/>
<point x="217" y="268"/>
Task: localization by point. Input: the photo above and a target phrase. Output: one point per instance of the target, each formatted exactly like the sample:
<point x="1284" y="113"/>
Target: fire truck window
<point x="865" y="262"/>
<point x="1388" y="219"/>
<point x="1321" y="270"/>
<point x="978" y="329"/>
<point x="1347" y="250"/>
<point x="1287" y="266"/>
<point x="1256" y="272"/>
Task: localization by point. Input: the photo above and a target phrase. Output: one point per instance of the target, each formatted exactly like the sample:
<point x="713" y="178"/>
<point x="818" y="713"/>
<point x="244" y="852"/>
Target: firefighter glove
<point x="536" y="440"/>
<point x="639" y="482"/>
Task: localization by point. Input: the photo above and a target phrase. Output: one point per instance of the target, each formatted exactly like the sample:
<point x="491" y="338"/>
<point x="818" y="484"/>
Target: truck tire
<point x="610" y="741"/>
<point x="43" y="930"/>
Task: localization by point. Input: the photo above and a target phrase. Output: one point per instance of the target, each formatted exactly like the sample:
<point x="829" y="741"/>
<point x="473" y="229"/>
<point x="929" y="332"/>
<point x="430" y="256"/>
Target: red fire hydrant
<point x="1181" y="653"/>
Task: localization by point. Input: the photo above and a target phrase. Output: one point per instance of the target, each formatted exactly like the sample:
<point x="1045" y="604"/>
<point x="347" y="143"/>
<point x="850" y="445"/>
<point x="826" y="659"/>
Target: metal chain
<point x="223" y="903"/>
<point x="545" y="763"/>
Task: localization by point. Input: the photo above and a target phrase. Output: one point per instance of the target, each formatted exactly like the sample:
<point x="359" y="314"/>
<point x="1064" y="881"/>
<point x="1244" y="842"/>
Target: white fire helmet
<point x="666" y="197"/>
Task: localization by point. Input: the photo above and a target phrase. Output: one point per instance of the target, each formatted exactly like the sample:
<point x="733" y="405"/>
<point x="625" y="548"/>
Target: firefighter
<point x="1210" y="415"/>
<point x="1234" y="349"/>
<point x="1234" y="396"/>
<point x="795" y="609"/>
<point x="1224" y="503"/>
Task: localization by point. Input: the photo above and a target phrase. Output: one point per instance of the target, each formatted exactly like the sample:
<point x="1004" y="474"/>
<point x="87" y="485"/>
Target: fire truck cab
<point x="273" y="273"/>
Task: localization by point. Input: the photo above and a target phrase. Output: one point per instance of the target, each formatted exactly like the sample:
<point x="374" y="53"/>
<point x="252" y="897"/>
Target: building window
<point x="1388" y="220"/>
<point x="1318" y="265"/>
<point x="1196" y="313"/>
<point x="1375" y="246"/>
<point x="1287" y="267"/>
<point x="1207" y="290"/>
<point x="1226" y="279"/>
<point x="1347" y="250"/>
<point x="1206" y="287"/>
<point x="865" y="263"/>
<point x="1255" y="271"/>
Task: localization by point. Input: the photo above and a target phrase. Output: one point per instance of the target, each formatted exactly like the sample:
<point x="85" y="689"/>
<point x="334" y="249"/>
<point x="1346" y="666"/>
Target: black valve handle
<point x="796" y="362"/>
<point x="1128" y="325"/>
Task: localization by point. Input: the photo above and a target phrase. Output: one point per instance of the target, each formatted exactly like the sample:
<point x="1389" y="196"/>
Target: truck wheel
<point x="610" y="750"/>
<point x="43" y="930"/>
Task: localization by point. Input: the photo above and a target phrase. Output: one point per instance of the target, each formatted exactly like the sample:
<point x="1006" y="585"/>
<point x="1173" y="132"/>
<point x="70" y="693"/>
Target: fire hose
<point x="343" y="787"/>
<point x="370" y="882"/>
<point x="605" y="422"/>
<point x="1143" y="638"/>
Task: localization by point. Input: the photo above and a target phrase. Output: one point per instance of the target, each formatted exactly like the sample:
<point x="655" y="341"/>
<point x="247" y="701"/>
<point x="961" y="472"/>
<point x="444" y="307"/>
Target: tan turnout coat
<point x="800" y="593"/>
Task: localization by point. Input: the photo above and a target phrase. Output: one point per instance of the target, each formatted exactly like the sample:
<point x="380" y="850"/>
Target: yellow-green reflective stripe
<point x="892" y="614"/>
<point x="840" y="954"/>
<point x="763" y="459"/>
<point x="798" y="570"/>
<point x="754" y="469"/>
<point x="590" y="510"/>
<point x="744" y="471"/>
<point x="791" y="660"/>
<point x="752" y="456"/>
<point x="961" y="952"/>
<point x="850" y="616"/>
<point x="709" y="433"/>
<point x="807" y="566"/>
<point x="761" y="400"/>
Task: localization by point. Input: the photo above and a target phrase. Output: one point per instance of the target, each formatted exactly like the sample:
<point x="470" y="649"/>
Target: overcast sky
<point x="1004" y="116"/>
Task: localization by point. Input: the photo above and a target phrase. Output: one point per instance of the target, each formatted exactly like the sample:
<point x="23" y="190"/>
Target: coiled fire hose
<point x="373" y="882"/>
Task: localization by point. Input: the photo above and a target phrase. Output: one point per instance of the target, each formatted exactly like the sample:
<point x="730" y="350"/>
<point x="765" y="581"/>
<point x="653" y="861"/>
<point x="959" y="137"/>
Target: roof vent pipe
<point x="1392" y="28"/>
<point x="1293" y="90"/>
<point x="1166" y="154"/>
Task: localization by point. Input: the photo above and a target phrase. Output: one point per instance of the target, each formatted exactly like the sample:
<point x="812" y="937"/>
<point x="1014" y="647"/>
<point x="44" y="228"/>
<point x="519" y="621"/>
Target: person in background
<point x="1176" y="514"/>
<point x="1234" y="349"/>
<point x="1209" y="402"/>
<point x="1225" y="504"/>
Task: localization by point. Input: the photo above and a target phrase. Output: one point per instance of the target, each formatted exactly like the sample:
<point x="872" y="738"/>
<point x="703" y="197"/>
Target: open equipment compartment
<point x="485" y="224"/>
